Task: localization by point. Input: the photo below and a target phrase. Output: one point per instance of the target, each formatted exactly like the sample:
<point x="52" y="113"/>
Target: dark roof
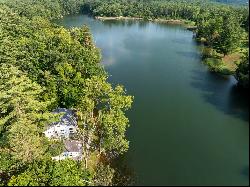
<point x="69" y="117"/>
<point x="73" y="145"/>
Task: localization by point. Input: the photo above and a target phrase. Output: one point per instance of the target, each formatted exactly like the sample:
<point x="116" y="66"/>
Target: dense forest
<point x="44" y="66"/>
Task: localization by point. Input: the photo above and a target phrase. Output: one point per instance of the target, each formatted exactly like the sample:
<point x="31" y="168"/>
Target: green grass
<point x="218" y="66"/>
<point x="225" y="65"/>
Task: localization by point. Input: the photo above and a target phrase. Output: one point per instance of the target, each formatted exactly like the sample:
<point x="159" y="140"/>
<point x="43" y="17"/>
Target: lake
<point x="188" y="126"/>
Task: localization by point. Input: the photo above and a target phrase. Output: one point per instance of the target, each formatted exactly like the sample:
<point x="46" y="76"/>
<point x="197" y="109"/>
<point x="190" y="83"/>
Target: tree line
<point x="223" y="29"/>
<point x="42" y="67"/>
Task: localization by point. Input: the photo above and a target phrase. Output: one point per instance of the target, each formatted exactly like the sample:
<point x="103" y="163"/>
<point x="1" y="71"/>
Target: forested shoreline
<point x="44" y="66"/>
<point x="223" y="29"/>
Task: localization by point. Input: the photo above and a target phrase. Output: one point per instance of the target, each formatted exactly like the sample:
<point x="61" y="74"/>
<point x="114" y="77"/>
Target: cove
<point x="188" y="126"/>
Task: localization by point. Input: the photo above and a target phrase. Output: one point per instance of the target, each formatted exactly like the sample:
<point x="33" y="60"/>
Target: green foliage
<point x="180" y="9"/>
<point x="42" y="67"/>
<point x="52" y="173"/>
<point x="23" y="115"/>
<point x="8" y="166"/>
<point x="207" y="52"/>
<point x="229" y="37"/>
<point x="55" y="147"/>
<point x="29" y="8"/>
<point x="221" y="26"/>
<point x="242" y="72"/>
<point x="144" y="9"/>
<point x="209" y="26"/>
<point x="54" y="57"/>
<point x="71" y="6"/>
<point x="104" y="175"/>
<point x="102" y="108"/>
<point x="216" y="65"/>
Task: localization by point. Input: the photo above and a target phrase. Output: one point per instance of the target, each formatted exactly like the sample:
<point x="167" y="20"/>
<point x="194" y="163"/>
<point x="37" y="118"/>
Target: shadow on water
<point x="245" y="172"/>
<point x="124" y="175"/>
<point x="180" y="41"/>
<point x="190" y="55"/>
<point x="223" y="93"/>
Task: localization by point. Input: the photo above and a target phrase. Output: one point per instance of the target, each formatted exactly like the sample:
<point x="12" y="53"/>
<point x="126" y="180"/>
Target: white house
<point x="65" y="127"/>
<point x="73" y="150"/>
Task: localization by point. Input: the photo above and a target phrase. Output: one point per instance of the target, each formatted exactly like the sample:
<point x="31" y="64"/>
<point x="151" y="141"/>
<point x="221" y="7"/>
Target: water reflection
<point x="113" y="23"/>
<point x="108" y="61"/>
<point x="142" y="24"/>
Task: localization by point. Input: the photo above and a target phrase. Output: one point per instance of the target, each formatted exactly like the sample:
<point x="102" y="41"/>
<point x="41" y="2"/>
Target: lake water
<point x="188" y="126"/>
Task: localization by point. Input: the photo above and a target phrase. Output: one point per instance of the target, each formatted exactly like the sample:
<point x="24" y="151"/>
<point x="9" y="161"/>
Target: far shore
<point x="117" y="18"/>
<point x="167" y="21"/>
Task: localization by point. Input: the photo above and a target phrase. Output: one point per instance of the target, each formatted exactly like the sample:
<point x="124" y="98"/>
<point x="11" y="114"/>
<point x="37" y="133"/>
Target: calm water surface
<point x="188" y="126"/>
